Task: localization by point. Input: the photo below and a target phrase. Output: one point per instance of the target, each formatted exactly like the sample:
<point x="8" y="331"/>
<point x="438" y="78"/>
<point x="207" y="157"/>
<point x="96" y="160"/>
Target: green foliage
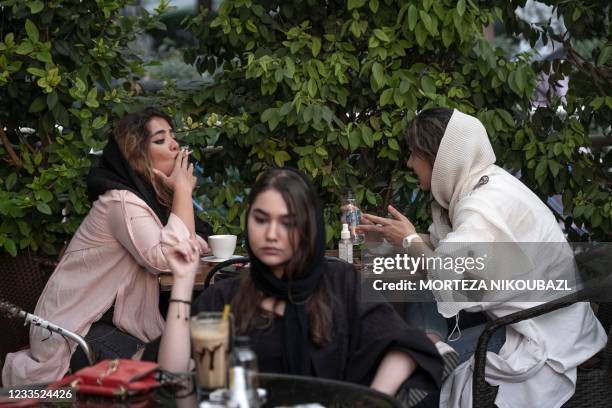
<point x="558" y="147"/>
<point x="59" y="61"/>
<point x="329" y="87"/>
<point x="324" y="86"/>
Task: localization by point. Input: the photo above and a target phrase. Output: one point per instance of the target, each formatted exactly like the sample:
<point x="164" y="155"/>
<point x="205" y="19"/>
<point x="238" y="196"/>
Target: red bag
<point x="117" y="378"/>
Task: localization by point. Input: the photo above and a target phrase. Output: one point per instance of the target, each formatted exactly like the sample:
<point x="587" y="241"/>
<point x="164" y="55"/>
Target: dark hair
<point x="132" y="137"/>
<point x="424" y="134"/>
<point x="299" y="196"/>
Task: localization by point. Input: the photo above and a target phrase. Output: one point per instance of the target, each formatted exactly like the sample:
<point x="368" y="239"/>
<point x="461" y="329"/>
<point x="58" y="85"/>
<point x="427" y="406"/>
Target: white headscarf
<point x="464" y="155"/>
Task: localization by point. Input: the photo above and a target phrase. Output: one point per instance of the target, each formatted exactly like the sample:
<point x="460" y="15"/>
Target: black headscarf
<point x="114" y="172"/>
<point x="296" y="339"/>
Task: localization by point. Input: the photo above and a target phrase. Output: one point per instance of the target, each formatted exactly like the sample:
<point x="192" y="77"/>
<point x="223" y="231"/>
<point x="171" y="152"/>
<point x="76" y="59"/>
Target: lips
<point x="270" y="251"/>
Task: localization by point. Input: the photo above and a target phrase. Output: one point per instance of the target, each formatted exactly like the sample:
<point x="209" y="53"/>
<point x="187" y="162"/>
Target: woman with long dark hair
<point x="105" y="286"/>
<point x="303" y="312"/>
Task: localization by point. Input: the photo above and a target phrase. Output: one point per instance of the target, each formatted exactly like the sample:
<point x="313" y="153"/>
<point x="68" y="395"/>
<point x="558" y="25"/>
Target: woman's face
<point x="269" y="227"/>
<point x="422" y="169"/>
<point x="163" y="147"/>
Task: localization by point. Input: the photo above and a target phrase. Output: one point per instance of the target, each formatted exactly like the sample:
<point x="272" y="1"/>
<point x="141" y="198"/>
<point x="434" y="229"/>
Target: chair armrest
<point x="222" y="265"/>
<point x="480" y="389"/>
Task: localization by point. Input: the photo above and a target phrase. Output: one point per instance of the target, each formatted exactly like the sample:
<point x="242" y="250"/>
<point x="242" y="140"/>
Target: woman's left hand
<point x="204" y="248"/>
<point x="392" y="229"/>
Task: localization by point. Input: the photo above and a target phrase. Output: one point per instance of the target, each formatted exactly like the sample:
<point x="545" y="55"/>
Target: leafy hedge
<point x="329" y="87"/>
<point x="324" y="86"/>
<point x="59" y="64"/>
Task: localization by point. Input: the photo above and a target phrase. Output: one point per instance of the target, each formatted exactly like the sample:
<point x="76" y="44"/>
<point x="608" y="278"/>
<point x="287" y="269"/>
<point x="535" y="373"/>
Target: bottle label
<point x="353" y="217"/>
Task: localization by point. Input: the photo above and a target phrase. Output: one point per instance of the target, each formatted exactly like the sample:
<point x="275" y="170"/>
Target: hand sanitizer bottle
<point x="345" y="247"/>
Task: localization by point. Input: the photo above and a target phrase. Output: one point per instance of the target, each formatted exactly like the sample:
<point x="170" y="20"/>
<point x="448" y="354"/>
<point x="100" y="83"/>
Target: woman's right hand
<point x="184" y="259"/>
<point x="182" y="173"/>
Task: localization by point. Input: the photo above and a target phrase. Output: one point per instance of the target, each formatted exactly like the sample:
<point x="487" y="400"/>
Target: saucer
<point x="214" y="259"/>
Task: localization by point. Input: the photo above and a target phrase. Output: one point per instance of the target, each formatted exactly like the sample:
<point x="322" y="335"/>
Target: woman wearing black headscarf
<point x="302" y="312"/>
<point x="105" y="287"/>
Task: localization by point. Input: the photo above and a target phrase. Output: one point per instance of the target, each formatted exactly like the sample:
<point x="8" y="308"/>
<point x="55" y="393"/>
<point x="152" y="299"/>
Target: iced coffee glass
<point x="210" y="340"/>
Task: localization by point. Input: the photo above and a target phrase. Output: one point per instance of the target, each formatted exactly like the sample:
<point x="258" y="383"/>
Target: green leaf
<point x="43" y="208"/>
<point x="554" y="167"/>
<point x="354" y="140"/>
<point x="38" y="104"/>
<point x="371" y="197"/>
<point x="412" y="17"/>
<point x="44" y="195"/>
<point x="381" y="35"/>
<point x="316" y="46"/>
<point x="447" y="37"/>
<point x="386" y="96"/>
<point x="520" y="79"/>
<point x="604" y="55"/>
<point x="267" y="115"/>
<point x="506" y="117"/>
<point x="251" y="27"/>
<point x="367" y="136"/>
<point x="374" y="5"/>
<point x="285" y="109"/>
<point x="32" y="30"/>
<point x="427" y="85"/>
<point x="41" y="73"/>
<point x="379" y="76"/>
<point x="52" y="100"/>
<point x="354" y="4"/>
<point x="10" y="247"/>
<point x="36" y="6"/>
<point x="92" y="98"/>
<point x="280" y="157"/>
<point x="461" y="7"/>
<point x="312" y="87"/>
<point x="540" y="171"/>
<point x="426" y="19"/>
<point x="393" y="144"/>
<point x="10" y="181"/>
<point x="99" y="121"/>
<point x="24" y="48"/>
<point x="273" y="123"/>
<point x="421" y="34"/>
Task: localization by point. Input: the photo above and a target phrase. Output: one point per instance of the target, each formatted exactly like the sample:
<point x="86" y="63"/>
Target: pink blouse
<point x="114" y="256"/>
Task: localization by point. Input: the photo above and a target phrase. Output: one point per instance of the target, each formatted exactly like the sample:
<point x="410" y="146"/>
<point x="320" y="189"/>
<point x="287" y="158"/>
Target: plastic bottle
<point x="351" y="215"/>
<point x="345" y="247"/>
<point x="243" y="375"/>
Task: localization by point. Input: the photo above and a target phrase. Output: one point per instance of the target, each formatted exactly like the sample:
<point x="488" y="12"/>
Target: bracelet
<point x="187" y="302"/>
<point x="178" y="315"/>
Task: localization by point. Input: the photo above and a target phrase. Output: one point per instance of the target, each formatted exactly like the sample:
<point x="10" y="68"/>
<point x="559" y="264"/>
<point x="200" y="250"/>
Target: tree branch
<point x="16" y="161"/>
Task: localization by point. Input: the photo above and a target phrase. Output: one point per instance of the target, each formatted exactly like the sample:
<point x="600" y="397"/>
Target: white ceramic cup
<point x="222" y="246"/>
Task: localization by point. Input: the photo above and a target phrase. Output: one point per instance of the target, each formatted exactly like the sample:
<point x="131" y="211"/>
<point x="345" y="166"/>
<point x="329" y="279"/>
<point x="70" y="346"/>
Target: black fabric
<point x="106" y="342"/>
<point x="363" y="332"/>
<point x="114" y="172"/>
<point x="295" y="293"/>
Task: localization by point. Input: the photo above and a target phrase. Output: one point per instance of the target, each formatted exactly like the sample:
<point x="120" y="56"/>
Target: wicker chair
<point x="23" y="280"/>
<point x="594" y="384"/>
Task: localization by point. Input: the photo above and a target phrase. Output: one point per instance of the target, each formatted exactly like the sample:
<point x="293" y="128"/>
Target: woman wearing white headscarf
<point x="476" y="201"/>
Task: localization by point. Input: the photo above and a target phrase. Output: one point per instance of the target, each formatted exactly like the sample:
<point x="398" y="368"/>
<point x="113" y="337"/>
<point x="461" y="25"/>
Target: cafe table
<point x="166" y="279"/>
<point x="281" y="390"/>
